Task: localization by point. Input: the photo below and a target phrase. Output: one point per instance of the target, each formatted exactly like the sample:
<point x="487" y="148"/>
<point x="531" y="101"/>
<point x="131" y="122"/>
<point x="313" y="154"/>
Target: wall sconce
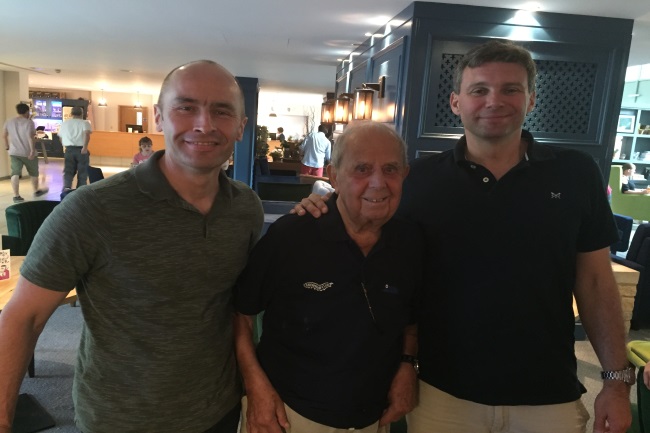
<point x="327" y="111"/>
<point x="102" y="101"/>
<point x="363" y="98"/>
<point x="137" y="104"/>
<point x="342" y="108"/>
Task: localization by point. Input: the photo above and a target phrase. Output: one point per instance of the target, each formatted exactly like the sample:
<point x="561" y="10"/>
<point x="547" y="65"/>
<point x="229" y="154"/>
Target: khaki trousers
<point x="439" y="412"/>
<point x="300" y="424"/>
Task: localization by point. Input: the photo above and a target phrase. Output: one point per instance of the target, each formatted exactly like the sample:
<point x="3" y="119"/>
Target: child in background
<point x="146" y="150"/>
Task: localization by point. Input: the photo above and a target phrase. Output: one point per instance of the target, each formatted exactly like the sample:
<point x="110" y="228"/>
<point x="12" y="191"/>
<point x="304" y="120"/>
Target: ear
<point x="531" y="103"/>
<point x="331" y="173"/>
<point x="454" y="103"/>
<point x="157" y="115"/>
<point x="240" y="133"/>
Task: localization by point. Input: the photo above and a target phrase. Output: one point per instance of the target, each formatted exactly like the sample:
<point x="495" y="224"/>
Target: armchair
<point x="636" y="206"/>
<point x="638" y="258"/>
<point x="23" y="221"/>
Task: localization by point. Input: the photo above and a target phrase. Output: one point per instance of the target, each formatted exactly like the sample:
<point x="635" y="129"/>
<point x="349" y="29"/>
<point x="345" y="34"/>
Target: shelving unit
<point x="634" y="146"/>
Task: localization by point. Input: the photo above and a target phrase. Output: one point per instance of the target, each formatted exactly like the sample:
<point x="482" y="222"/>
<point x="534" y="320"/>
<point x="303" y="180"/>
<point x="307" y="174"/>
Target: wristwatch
<point x="626" y="375"/>
<point x="413" y="360"/>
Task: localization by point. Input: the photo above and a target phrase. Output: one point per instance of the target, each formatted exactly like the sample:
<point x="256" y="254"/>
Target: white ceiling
<point x="290" y="45"/>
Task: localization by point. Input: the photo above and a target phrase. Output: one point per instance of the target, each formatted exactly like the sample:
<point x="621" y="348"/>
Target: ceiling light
<point x="272" y="113"/>
<point x="102" y="101"/>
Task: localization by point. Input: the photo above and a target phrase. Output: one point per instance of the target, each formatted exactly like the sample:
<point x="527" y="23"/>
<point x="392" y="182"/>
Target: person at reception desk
<point x="156" y="353"/>
<point x="316" y="149"/>
<point x="627" y="179"/>
<point x="75" y="136"/>
<point x="338" y="342"/>
<point x="513" y="229"/>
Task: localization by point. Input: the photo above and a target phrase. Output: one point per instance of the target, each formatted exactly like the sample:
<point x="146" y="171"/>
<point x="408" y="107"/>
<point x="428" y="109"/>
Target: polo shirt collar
<point x="535" y="152"/>
<point x="152" y="182"/>
<point x="333" y="229"/>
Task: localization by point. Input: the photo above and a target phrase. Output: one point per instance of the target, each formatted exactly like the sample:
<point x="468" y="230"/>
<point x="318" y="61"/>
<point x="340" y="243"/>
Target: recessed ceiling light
<point x="126" y="70"/>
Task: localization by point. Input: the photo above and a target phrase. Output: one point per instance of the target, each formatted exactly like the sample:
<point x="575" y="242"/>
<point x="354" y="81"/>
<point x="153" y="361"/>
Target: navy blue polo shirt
<point x="497" y="322"/>
<point x="326" y="356"/>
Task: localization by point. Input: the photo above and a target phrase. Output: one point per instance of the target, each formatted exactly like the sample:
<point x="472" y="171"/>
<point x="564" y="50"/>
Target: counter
<point x="117" y="148"/>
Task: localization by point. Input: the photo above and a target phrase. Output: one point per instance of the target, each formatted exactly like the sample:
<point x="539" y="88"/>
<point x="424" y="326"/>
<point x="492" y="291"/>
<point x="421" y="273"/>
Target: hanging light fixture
<point x="342" y="108"/>
<point x="363" y="98"/>
<point x="137" y="104"/>
<point x="327" y="111"/>
<point x="102" y="101"/>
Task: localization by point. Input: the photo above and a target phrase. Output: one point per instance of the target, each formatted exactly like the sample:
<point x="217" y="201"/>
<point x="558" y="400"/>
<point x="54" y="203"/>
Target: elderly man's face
<point x="369" y="180"/>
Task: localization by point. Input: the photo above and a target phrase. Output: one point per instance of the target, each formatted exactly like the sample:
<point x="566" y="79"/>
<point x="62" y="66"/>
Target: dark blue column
<point x="245" y="149"/>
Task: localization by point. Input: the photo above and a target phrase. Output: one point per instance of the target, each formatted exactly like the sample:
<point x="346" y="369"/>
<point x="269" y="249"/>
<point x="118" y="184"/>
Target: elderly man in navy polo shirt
<point x="338" y="345"/>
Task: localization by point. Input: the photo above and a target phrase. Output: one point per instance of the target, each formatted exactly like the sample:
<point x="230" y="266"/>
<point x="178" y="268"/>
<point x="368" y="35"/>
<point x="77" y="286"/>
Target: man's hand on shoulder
<point x="314" y="204"/>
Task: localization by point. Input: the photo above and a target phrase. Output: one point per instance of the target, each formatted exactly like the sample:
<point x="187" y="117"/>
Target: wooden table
<point x="7" y="287"/>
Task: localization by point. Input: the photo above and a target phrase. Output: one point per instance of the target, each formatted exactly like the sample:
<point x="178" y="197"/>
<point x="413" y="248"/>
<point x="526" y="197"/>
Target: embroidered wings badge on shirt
<point x="316" y="286"/>
<point x="556" y="195"/>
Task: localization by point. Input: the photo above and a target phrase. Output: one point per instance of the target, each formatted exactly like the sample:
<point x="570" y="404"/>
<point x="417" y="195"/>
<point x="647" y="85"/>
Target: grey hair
<point x="360" y="127"/>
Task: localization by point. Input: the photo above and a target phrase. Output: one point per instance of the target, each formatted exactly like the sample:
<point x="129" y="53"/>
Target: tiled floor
<point x="51" y="175"/>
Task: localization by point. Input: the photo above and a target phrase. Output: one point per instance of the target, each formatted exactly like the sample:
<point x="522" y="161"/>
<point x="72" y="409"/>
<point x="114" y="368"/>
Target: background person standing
<point x="316" y="150"/>
<point x="19" y="135"/>
<point x="75" y="135"/>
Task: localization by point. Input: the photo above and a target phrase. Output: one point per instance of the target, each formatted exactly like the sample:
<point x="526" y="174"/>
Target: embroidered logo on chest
<point x="316" y="286"/>
<point x="556" y="195"/>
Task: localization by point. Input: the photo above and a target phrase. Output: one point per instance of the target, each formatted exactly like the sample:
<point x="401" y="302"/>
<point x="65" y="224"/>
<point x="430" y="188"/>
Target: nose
<point x="493" y="99"/>
<point x="377" y="179"/>
<point x="204" y="122"/>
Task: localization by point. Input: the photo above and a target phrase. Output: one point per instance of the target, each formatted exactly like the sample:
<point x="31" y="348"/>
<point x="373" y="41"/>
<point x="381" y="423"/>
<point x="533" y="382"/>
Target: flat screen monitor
<point x="133" y="128"/>
<point x="51" y="125"/>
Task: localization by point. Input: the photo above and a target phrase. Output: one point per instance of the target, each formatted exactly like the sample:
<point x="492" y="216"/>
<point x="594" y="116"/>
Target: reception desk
<point x="117" y="148"/>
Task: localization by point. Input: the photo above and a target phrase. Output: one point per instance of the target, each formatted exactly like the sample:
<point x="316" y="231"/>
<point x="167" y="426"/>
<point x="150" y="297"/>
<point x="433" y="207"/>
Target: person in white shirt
<point x="316" y="149"/>
<point x="75" y="136"/>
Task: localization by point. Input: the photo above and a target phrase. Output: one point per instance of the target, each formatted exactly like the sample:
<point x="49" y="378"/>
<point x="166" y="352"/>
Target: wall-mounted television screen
<point x="51" y="125"/>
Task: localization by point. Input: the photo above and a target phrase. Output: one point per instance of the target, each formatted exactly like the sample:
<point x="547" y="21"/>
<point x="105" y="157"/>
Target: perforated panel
<point x="564" y="95"/>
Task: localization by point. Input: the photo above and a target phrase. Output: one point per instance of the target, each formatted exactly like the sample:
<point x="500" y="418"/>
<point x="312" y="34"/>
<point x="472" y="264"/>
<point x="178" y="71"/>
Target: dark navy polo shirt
<point x="320" y="347"/>
<point x="497" y="322"/>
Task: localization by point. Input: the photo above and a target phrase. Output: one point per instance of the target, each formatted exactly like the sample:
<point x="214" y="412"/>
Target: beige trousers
<point x="300" y="424"/>
<point x="439" y="412"/>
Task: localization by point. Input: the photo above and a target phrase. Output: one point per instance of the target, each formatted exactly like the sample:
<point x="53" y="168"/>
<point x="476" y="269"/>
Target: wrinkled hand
<point x="402" y="396"/>
<point x="265" y="413"/>
<point x="612" y="408"/>
<point x="314" y="204"/>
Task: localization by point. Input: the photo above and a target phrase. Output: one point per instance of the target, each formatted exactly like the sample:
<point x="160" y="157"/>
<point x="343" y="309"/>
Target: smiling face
<point x="201" y="114"/>
<point x="369" y="178"/>
<point x="493" y="101"/>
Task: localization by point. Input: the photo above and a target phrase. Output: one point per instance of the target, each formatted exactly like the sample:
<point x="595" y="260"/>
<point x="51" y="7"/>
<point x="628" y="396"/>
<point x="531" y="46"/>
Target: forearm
<point x="250" y="368"/>
<point x="599" y="307"/>
<point x="17" y="342"/>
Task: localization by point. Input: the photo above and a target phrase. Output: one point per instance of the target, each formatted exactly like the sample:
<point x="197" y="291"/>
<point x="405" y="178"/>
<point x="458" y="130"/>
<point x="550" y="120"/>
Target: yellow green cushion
<point x="638" y="352"/>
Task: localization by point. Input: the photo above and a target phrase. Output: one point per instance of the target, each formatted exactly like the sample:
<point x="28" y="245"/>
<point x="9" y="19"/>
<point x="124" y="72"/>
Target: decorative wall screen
<point x="564" y="90"/>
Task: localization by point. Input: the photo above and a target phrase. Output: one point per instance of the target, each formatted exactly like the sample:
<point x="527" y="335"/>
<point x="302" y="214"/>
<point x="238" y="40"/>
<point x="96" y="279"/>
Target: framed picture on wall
<point x="625" y="123"/>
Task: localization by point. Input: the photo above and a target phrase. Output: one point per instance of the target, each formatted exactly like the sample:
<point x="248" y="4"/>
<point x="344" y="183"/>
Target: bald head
<point x="219" y="71"/>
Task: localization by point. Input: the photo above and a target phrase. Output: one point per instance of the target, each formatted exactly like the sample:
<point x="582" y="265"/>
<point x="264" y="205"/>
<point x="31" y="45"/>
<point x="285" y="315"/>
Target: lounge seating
<point x="636" y="206"/>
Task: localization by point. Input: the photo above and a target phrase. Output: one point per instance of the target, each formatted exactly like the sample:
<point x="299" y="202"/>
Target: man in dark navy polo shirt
<point x="338" y="342"/>
<point x="513" y="230"/>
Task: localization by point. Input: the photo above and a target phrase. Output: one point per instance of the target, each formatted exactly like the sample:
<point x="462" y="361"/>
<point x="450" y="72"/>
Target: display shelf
<point x="633" y="141"/>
